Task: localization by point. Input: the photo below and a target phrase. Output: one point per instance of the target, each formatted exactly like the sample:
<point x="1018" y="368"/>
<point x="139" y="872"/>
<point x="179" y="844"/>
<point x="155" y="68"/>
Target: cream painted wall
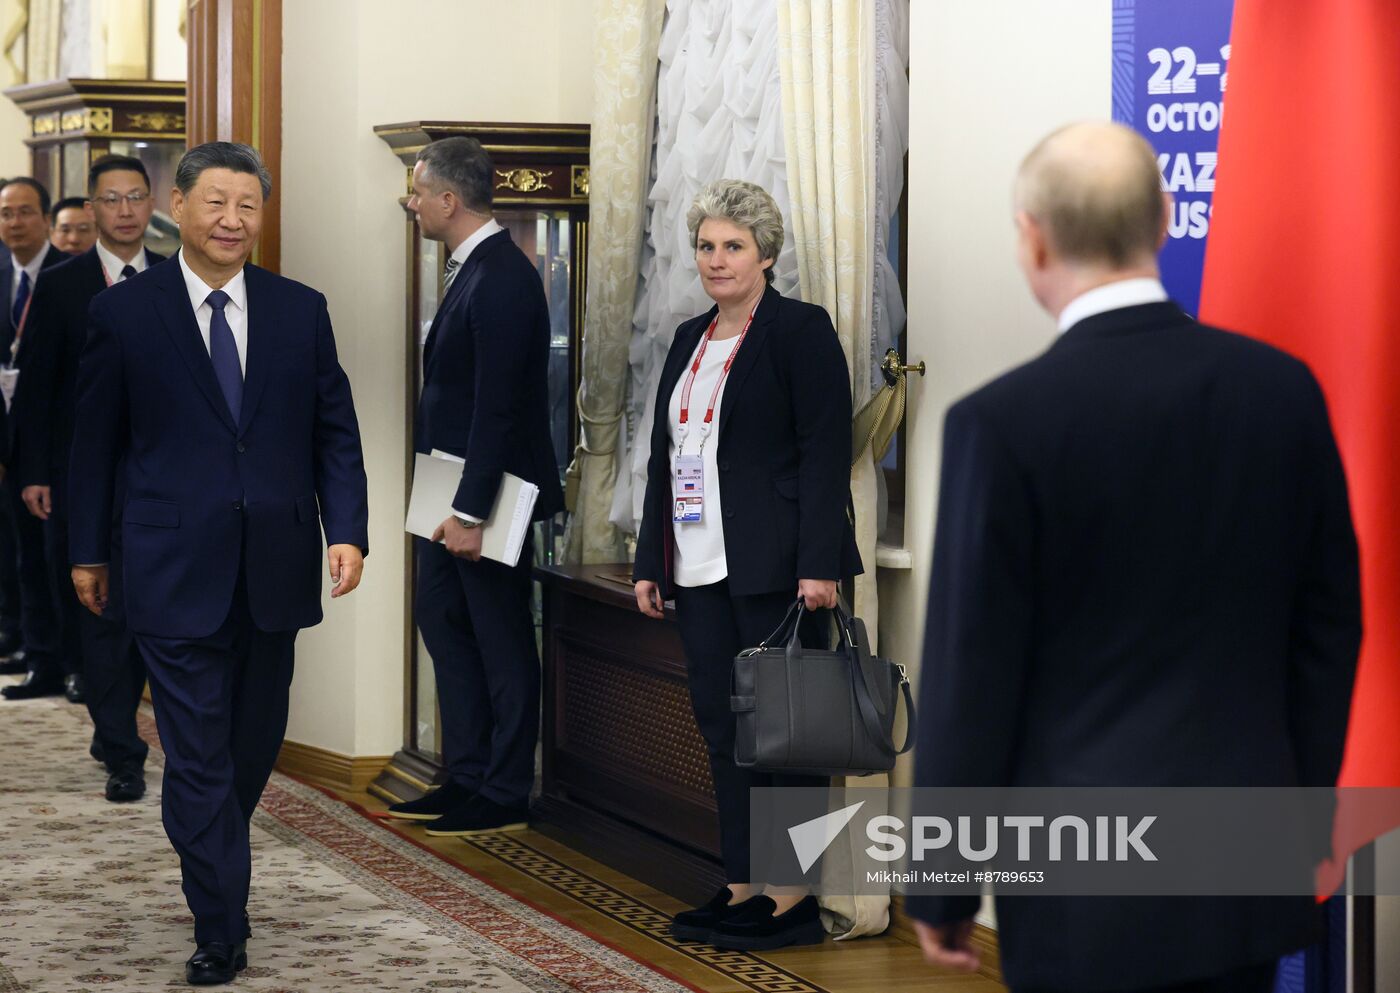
<point x="14" y="125"/>
<point x="349" y="65"/>
<point x="988" y="79"/>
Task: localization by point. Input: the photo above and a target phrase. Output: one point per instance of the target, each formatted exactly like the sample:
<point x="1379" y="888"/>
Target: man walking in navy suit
<point x="112" y="671"/>
<point x="485" y="400"/>
<point x="212" y="387"/>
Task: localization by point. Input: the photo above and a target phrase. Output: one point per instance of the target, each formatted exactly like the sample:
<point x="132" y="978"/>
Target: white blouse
<point x="700" y="557"/>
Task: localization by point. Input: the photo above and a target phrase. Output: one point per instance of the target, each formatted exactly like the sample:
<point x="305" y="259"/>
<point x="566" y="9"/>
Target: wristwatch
<point x="466" y="523"/>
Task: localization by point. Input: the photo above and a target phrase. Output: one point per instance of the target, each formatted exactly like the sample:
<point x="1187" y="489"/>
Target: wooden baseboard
<point x="327" y="768"/>
<point x="984" y="939"/>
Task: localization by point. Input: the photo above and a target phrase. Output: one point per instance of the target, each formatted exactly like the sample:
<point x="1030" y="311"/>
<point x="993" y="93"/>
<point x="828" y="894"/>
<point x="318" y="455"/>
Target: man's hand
<point x="649" y="599"/>
<point x="817" y="593"/>
<point x="463" y="542"/>
<point x="347" y="562"/>
<point x="90" y="582"/>
<point x="39" y="500"/>
<point x="948" y="945"/>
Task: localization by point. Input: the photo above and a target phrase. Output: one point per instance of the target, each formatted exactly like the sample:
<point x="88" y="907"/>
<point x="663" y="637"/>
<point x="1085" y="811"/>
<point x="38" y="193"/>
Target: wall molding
<point x="323" y="767"/>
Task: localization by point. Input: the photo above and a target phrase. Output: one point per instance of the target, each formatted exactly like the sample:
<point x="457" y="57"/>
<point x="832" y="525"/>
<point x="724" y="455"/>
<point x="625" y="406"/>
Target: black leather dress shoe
<point x="758" y="929"/>
<point x="215" y="963"/>
<point x="73" y="688"/>
<point x="126" y="787"/>
<point x="699" y="923"/>
<point x="479" y="816"/>
<point x="33" y="686"/>
<point x="431" y="806"/>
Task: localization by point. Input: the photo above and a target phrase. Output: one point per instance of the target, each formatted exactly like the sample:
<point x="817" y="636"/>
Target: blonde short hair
<point x="747" y="205"/>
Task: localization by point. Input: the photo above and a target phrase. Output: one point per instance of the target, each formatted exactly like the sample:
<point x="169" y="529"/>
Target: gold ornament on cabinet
<point x="158" y="121"/>
<point x="522" y="180"/>
<point x="579" y="177"/>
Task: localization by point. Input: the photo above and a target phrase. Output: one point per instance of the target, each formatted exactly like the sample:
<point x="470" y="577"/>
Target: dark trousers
<point x="43" y="647"/>
<point x="715" y="627"/>
<point x="9" y="571"/>
<point x="114" y="675"/>
<point x="476" y="623"/>
<point x="221" y="707"/>
<point x="66" y="609"/>
<point x="1255" y="979"/>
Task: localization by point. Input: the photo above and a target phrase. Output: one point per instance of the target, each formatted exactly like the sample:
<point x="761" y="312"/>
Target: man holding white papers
<point x="484" y="400"/>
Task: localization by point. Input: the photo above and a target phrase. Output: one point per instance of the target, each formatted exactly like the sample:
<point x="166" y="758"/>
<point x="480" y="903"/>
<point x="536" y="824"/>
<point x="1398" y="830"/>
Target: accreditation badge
<point x="689" y="490"/>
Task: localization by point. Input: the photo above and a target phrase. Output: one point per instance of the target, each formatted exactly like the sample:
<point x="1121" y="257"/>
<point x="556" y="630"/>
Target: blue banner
<point x="1170" y="69"/>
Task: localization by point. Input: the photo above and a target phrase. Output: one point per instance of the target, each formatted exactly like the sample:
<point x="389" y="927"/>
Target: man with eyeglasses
<point x="24" y="228"/>
<point x="112" y="672"/>
<point x="73" y="229"/>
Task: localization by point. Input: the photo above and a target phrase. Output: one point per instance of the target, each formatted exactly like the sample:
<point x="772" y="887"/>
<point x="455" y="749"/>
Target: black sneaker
<point x="698" y="923"/>
<point x="479" y="816"/>
<point x="758" y="929"/>
<point x="431" y="806"/>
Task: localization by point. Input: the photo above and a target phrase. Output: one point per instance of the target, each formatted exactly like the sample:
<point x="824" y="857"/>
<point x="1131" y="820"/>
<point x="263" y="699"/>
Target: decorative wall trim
<point x="327" y="768"/>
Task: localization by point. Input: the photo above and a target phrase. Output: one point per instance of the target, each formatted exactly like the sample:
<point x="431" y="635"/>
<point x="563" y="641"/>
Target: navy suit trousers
<point x="221" y="708"/>
<point x="476" y="622"/>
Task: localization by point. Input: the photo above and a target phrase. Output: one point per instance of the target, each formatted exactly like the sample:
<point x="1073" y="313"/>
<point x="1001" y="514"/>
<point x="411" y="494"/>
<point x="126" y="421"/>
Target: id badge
<point x="689" y="489"/>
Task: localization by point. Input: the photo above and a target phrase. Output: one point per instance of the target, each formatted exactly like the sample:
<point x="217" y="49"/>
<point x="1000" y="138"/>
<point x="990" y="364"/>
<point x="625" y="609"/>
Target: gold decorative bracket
<point x="523" y="180"/>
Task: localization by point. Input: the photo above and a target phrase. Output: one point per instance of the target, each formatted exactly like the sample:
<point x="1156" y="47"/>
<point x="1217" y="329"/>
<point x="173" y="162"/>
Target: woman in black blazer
<point x="747" y="506"/>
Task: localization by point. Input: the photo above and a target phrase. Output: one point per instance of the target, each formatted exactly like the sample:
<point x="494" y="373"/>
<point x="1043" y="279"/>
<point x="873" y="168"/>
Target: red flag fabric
<point x="1304" y="253"/>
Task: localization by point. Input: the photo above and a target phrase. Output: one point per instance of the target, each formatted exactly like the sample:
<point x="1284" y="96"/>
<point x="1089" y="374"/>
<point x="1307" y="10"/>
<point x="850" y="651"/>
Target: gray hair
<point x="221" y="155"/>
<point x="463" y="166"/>
<point x="747" y="205"/>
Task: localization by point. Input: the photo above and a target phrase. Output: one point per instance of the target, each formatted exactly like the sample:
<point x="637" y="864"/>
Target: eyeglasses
<point x="113" y="200"/>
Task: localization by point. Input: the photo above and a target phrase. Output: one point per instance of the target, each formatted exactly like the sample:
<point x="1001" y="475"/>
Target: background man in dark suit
<point x="218" y="382"/>
<point x="24" y="227"/>
<point x="1145" y="575"/>
<point x="112" y="671"/>
<point x="74" y="227"/>
<point x="485" y="399"/>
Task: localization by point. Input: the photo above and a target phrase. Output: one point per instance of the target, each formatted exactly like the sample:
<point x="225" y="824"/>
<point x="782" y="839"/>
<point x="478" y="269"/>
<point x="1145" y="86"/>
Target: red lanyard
<point x="695" y="368"/>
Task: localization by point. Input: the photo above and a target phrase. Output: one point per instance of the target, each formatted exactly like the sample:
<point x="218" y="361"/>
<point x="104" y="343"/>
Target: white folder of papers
<point x="435" y="481"/>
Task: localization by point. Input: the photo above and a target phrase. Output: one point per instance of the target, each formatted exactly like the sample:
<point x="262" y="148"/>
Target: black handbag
<point x="818" y="712"/>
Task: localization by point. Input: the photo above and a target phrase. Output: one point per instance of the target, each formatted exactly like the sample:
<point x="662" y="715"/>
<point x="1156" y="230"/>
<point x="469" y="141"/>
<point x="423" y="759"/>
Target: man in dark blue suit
<point x="1145" y="575"/>
<point x="26" y="596"/>
<point x="112" y="671"/>
<point x="211" y="388"/>
<point x="484" y="399"/>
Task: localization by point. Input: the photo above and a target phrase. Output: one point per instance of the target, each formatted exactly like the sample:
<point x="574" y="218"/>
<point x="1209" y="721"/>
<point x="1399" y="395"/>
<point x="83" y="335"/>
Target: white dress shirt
<point x="113" y="266"/>
<point x="465" y="249"/>
<point x="1111" y="296"/>
<point x="700" y="558"/>
<point x="235" y="311"/>
<point x="33" y="267"/>
<point x="460" y="256"/>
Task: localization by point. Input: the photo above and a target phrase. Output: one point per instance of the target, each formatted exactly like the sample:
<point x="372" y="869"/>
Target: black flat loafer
<point x="126" y="787"/>
<point x="431" y="806"/>
<point x="215" y="963"/>
<point x="758" y="929"/>
<point x="698" y="923"/>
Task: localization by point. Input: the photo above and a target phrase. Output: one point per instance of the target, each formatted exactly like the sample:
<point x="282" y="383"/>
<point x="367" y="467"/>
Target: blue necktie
<point x="224" y="354"/>
<point x="21" y="298"/>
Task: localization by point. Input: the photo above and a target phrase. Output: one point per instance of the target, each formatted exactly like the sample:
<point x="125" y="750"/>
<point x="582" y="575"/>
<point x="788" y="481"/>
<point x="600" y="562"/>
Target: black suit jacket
<point x="52" y="257"/>
<point x="1145" y="574"/>
<point x="485" y="392"/>
<point x="42" y="417"/>
<point x="784" y="454"/>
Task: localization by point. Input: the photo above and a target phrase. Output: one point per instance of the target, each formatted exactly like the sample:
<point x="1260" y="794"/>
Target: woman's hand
<point x="815" y="593"/>
<point x="649" y="599"/>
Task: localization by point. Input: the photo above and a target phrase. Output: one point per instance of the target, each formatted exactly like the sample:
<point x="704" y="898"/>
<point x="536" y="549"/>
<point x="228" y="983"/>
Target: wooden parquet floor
<point x="632" y="917"/>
